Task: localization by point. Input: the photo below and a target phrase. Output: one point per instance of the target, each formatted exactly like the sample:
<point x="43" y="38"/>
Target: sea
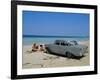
<point x="29" y="40"/>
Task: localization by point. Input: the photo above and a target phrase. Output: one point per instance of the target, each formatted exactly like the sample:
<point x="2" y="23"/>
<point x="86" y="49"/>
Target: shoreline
<point x="44" y="60"/>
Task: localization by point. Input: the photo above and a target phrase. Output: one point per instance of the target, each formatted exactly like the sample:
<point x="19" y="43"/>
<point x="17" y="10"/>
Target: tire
<point x="68" y="54"/>
<point x="47" y="51"/>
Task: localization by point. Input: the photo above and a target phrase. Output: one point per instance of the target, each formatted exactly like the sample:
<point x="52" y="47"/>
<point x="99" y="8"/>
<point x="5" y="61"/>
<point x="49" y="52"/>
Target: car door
<point x="58" y="49"/>
<point x="66" y="48"/>
<point x="55" y="48"/>
<point x="62" y="49"/>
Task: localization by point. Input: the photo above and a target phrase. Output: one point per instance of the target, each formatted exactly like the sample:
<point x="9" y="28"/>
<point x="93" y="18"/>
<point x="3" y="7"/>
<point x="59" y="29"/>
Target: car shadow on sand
<point x="72" y="57"/>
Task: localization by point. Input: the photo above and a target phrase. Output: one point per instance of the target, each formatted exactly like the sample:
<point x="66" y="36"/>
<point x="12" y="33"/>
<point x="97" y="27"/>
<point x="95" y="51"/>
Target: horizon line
<point x="54" y="36"/>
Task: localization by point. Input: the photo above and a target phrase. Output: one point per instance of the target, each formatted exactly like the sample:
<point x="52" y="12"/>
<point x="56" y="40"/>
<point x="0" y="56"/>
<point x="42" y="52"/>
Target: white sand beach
<point x="44" y="60"/>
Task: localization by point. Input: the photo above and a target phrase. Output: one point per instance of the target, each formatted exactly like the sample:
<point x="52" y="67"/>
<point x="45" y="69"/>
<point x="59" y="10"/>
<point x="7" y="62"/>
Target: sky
<point x="55" y="23"/>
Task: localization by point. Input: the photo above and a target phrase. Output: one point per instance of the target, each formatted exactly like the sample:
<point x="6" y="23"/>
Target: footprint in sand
<point x="26" y="63"/>
<point x="41" y="65"/>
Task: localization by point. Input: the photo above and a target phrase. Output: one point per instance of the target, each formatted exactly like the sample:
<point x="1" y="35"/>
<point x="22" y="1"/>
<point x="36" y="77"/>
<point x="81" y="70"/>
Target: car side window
<point x="63" y="43"/>
<point x="57" y="43"/>
<point x="68" y="44"/>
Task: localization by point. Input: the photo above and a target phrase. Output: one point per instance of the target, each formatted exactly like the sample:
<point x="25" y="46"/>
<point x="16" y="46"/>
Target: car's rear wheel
<point x="69" y="55"/>
<point x="47" y="51"/>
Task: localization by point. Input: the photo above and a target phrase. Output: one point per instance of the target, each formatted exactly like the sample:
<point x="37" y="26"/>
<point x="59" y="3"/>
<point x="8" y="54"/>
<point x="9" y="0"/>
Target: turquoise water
<point x="43" y="40"/>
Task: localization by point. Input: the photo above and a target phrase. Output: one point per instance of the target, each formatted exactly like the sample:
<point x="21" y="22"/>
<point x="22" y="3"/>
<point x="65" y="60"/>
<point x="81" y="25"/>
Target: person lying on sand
<point x="35" y="47"/>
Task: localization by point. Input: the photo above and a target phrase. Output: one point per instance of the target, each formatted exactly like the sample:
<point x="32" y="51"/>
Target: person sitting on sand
<point x="41" y="48"/>
<point x="34" y="47"/>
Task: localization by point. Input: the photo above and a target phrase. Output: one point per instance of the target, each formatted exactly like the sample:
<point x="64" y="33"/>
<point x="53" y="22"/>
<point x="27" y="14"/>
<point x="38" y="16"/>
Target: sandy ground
<point x="42" y="60"/>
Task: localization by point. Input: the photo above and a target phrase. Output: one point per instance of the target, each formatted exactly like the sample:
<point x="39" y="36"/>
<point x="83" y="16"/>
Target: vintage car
<point x="66" y="48"/>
